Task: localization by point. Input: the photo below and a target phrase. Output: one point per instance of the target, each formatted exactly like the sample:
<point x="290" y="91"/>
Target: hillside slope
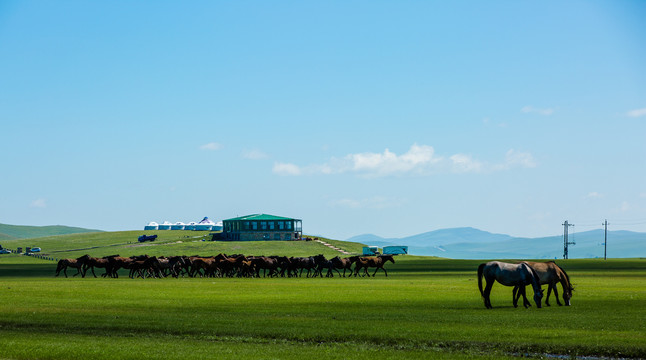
<point x="26" y="232"/>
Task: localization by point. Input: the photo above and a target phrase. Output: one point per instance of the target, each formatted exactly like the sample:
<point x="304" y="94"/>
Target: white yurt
<point x="218" y="226"/>
<point x="151" y="226"/>
<point x="204" y="225"/>
<point x="165" y="226"/>
<point x="190" y="226"/>
<point x="178" y="226"/>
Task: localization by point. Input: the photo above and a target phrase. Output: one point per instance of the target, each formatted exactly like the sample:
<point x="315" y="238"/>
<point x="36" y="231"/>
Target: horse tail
<point x="480" y="272"/>
<point x="60" y="266"/>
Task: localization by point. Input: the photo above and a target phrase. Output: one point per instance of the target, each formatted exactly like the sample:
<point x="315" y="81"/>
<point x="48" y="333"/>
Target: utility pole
<point x="566" y="242"/>
<point x="605" y="239"/>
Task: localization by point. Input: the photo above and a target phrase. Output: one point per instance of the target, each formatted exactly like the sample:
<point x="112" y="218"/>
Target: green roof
<point x="261" y="217"/>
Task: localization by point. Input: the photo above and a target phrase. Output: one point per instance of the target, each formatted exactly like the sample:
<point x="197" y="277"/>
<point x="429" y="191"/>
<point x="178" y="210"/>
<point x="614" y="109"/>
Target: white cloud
<point x="286" y="169"/>
<point x="388" y="163"/>
<point x="636" y="112"/>
<point x="531" y="109"/>
<point x="594" y="195"/>
<point x="514" y="158"/>
<point x="464" y="163"/>
<point x="39" y="203"/>
<point x="254" y="154"/>
<point x="212" y="146"/>
<point x="419" y="160"/>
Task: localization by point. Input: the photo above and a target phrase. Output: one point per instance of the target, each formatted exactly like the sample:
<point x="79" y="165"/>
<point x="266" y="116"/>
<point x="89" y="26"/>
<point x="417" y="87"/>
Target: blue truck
<point x="144" y="238"/>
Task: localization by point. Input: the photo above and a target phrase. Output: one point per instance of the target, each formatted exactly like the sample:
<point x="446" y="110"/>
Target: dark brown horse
<point x="63" y="264"/>
<point x="304" y="263"/>
<point x="92" y="262"/>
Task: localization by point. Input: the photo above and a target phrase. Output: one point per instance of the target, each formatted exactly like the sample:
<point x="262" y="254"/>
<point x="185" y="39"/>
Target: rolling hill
<point x="470" y="243"/>
<point x="8" y="232"/>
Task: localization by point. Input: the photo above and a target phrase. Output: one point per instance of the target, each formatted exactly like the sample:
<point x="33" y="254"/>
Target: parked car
<point x="5" y="251"/>
<point x="35" y="249"/>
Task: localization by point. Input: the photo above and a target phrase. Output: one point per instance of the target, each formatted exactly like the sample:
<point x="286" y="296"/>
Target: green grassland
<point x="425" y="308"/>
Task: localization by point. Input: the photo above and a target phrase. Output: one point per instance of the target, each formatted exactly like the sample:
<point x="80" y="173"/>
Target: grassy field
<point x="425" y="308"/>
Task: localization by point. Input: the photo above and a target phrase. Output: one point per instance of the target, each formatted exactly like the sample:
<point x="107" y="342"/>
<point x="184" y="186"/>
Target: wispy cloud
<point x="254" y="154"/>
<point x="39" y="203"/>
<point x="212" y="146"/>
<point x="465" y="163"/>
<point x="375" y="202"/>
<point x="286" y="169"/>
<point x="636" y="112"/>
<point x="540" y="111"/>
<point x="515" y="158"/>
<point x="419" y="160"/>
<point x="594" y="195"/>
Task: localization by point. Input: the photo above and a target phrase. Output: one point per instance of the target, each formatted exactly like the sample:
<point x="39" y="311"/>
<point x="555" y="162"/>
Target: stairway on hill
<point x="333" y="247"/>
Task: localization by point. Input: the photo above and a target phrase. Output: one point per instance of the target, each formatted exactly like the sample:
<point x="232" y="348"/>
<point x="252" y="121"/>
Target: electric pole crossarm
<point x="566" y="242"/>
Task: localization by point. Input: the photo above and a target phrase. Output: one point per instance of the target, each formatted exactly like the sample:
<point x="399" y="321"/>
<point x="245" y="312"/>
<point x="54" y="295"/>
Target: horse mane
<point x="567" y="277"/>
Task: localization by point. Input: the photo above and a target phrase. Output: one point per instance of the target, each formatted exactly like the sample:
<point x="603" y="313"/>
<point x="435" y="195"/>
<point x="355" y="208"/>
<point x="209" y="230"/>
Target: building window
<point x="281" y="225"/>
<point x="276" y="236"/>
<point x="263" y="225"/>
<point x="246" y="225"/>
<point x="272" y="225"/>
<point x="288" y="225"/>
<point x="254" y="225"/>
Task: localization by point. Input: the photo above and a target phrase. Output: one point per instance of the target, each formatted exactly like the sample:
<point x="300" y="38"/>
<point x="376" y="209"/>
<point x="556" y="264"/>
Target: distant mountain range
<point x="470" y="243"/>
<point x="8" y="232"/>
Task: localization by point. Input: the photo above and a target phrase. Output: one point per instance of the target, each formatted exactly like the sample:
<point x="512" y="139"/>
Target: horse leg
<point x="515" y="295"/>
<point x="556" y="295"/>
<point x="487" y="292"/>
<point x="526" y="302"/>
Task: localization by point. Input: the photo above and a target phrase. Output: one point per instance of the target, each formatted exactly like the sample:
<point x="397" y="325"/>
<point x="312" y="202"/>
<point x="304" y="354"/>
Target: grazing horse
<point x="549" y="274"/>
<point x="77" y="264"/>
<point x="508" y="275"/>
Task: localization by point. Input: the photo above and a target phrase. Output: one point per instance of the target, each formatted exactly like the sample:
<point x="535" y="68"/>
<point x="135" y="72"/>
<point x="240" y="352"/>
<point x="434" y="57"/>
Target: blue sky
<point x="392" y="118"/>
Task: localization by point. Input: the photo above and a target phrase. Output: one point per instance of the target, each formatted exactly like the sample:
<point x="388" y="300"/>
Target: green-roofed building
<point x="259" y="227"/>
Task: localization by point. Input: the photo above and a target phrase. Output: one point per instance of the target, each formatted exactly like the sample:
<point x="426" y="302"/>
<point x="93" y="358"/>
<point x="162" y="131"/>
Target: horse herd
<point x="517" y="275"/>
<point x="221" y="265"/>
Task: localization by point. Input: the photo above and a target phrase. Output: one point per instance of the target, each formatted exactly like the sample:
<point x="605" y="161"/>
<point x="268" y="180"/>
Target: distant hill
<point x="470" y="243"/>
<point x="8" y="232"/>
